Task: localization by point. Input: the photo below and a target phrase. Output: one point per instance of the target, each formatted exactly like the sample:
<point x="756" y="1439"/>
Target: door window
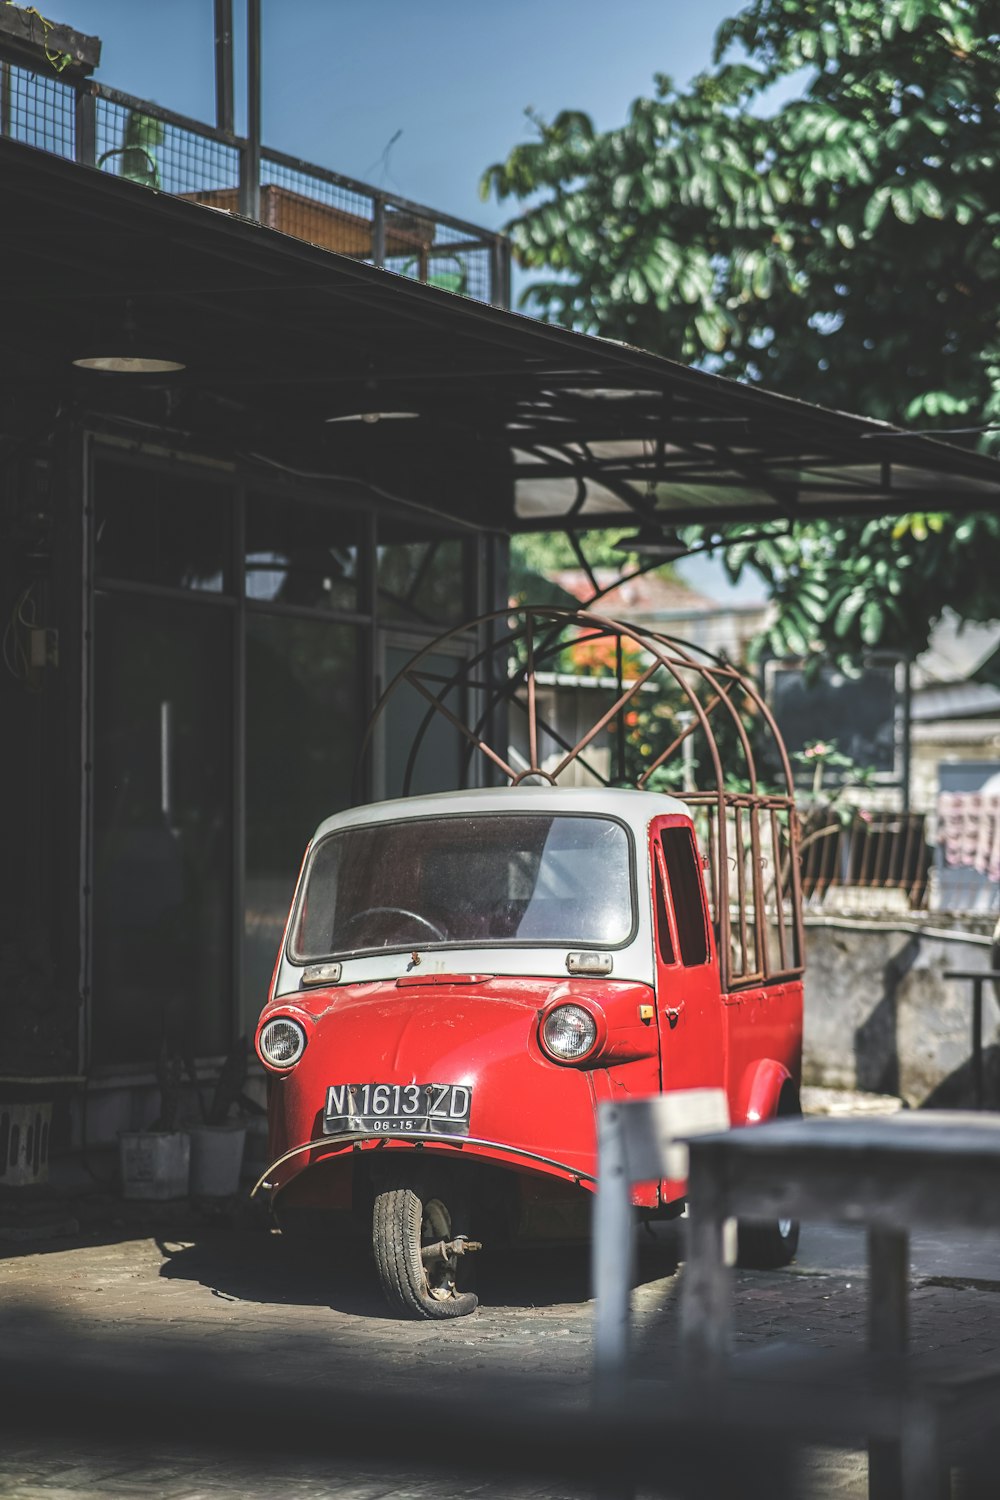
<point x="664" y="942"/>
<point x="686" y="892"/>
<point x="162" y="828"/>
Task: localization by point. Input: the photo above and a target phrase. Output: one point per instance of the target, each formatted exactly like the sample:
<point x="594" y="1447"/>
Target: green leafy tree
<point x="844" y="588"/>
<point x="845" y="248"/>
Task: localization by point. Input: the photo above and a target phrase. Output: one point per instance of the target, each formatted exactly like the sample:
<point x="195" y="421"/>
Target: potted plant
<point x="156" y="1162"/>
<point x="217" y="1144"/>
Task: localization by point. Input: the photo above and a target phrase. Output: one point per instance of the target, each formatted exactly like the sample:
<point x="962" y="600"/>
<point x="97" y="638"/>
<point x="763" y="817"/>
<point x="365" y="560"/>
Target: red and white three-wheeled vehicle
<point x="465" y="976"/>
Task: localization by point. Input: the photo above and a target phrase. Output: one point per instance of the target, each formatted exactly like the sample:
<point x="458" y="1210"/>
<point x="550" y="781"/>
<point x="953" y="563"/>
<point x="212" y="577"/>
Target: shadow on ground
<point x="269" y="1268"/>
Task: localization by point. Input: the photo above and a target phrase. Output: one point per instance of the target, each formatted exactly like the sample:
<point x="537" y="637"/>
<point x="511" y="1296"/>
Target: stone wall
<point x="880" y="1015"/>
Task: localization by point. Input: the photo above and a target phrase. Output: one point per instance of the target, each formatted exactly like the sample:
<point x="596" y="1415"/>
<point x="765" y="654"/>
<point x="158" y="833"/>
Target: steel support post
<point x="225" y="109"/>
<point x="378" y="232"/>
<point x="86" y="127"/>
<point x="250" y="156"/>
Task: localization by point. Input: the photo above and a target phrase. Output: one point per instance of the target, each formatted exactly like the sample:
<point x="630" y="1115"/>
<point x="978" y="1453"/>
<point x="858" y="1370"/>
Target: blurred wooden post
<point x="639" y="1140"/>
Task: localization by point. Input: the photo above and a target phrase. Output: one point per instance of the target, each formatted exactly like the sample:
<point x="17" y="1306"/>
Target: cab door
<point x="689" y="1007"/>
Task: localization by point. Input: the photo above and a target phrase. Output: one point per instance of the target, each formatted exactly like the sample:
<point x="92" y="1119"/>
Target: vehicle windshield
<point x="531" y="879"/>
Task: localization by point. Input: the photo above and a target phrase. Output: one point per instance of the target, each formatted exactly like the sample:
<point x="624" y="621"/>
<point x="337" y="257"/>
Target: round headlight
<point x="569" y="1032"/>
<point x="282" y="1042"/>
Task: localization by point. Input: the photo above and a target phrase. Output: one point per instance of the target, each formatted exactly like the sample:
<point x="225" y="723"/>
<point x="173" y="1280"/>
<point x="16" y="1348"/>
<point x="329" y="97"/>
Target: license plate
<point x="397" y="1108"/>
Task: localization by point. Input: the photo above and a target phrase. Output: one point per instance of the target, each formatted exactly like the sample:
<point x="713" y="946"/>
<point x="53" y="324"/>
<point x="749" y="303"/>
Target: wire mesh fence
<point x="37" y="109"/>
<point x="155" y="148"/>
<point x="434" y="251"/>
<point x="317" y="207"/>
<point x="338" y="214"/>
<point x="466" y="274"/>
<point x="148" y="147"/>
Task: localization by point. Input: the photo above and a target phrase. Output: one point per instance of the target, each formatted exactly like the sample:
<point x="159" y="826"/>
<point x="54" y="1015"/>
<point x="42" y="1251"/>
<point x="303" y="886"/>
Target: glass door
<point x="445" y="760"/>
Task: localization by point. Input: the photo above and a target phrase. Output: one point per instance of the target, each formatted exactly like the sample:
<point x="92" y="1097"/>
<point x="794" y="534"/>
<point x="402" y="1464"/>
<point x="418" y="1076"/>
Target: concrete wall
<point x="880" y="1016"/>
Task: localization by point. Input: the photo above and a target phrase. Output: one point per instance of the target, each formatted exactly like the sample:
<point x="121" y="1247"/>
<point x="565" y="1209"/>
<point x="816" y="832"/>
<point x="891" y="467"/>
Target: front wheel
<point x="411" y="1235"/>
<point x="766" y="1245"/>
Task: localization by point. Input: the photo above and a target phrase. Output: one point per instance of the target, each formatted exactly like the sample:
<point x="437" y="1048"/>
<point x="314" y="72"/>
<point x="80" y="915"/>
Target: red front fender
<point x="759" y="1093"/>
<point x="530" y="1114"/>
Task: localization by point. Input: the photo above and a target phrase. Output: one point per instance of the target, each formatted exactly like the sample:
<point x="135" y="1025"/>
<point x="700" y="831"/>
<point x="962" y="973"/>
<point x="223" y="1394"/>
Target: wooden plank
<point x="656" y="1128"/>
<point x="707" y="1280"/>
<point x="22" y="31"/>
<point x="638" y="1141"/>
<point x="829" y="1397"/>
<point x="935" y="1131"/>
<point x="882" y="1188"/>
<point x="923" y="1474"/>
<point x="888" y="1271"/>
<point x="612" y="1258"/>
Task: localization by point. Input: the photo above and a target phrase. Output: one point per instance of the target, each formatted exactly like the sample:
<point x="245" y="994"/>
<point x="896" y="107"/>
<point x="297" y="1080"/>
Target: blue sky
<point x="341" y="77"/>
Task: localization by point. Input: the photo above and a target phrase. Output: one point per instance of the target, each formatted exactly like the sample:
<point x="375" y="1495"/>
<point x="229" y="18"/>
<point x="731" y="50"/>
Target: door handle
<point x="672" y="1014"/>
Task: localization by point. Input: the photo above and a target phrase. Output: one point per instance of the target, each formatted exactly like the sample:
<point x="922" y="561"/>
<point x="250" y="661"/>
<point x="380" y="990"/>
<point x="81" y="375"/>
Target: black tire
<point x="407" y="1216"/>
<point x="766" y="1246"/>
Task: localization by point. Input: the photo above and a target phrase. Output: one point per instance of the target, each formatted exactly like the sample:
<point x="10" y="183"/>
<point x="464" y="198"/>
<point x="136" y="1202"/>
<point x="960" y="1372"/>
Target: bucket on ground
<point x="155" y="1163"/>
<point x="216" y="1159"/>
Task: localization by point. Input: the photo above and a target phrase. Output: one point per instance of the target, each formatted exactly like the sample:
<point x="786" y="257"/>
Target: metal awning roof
<point x="510" y="424"/>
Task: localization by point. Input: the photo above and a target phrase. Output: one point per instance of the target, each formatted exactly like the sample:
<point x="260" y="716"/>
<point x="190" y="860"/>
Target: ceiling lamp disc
<point x="129" y="364"/>
<point x="376" y="416"/>
<point x="654" y="541"/>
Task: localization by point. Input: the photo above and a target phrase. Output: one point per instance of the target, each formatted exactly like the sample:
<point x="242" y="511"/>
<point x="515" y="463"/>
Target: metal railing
<point x="155" y="147"/>
<point x="891" y="860"/>
<point x="875" y="853"/>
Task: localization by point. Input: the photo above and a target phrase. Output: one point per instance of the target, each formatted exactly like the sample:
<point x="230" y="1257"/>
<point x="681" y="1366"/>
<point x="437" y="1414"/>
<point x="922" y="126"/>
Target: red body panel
<point x="764" y="1049"/>
<point x="481" y="1032"/>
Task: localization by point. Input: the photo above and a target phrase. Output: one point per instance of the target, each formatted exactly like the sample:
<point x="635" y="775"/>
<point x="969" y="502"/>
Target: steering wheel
<point x="400" y="911"/>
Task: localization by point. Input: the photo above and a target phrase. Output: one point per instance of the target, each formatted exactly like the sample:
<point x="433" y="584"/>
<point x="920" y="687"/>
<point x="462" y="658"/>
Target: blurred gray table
<point x="890" y="1175"/>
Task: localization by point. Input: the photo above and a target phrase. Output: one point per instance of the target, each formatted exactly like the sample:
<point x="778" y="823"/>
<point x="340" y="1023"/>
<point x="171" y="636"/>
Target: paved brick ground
<point x="288" y="1312"/>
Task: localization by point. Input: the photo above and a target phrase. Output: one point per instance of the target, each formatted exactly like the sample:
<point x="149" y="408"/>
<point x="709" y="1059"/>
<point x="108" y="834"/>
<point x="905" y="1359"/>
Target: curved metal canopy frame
<point x="750" y="828"/>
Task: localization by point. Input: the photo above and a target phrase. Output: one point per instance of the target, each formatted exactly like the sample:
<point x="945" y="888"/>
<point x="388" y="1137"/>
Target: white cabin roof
<point x="634" y="961"/>
<point x="633" y="808"/>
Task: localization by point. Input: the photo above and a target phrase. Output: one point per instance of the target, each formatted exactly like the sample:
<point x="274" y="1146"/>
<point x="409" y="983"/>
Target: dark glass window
<point x="162" y="829"/>
<point x="687" y="894"/>
<point x="664" y="942"/>
<point x="161" y="526"/>
<point x="426" y="582"/>
<point x="500" y="878"/>
<point x="301" y="554"/>
<point x="302" y="731"/>
<point x="442" y="762"/>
